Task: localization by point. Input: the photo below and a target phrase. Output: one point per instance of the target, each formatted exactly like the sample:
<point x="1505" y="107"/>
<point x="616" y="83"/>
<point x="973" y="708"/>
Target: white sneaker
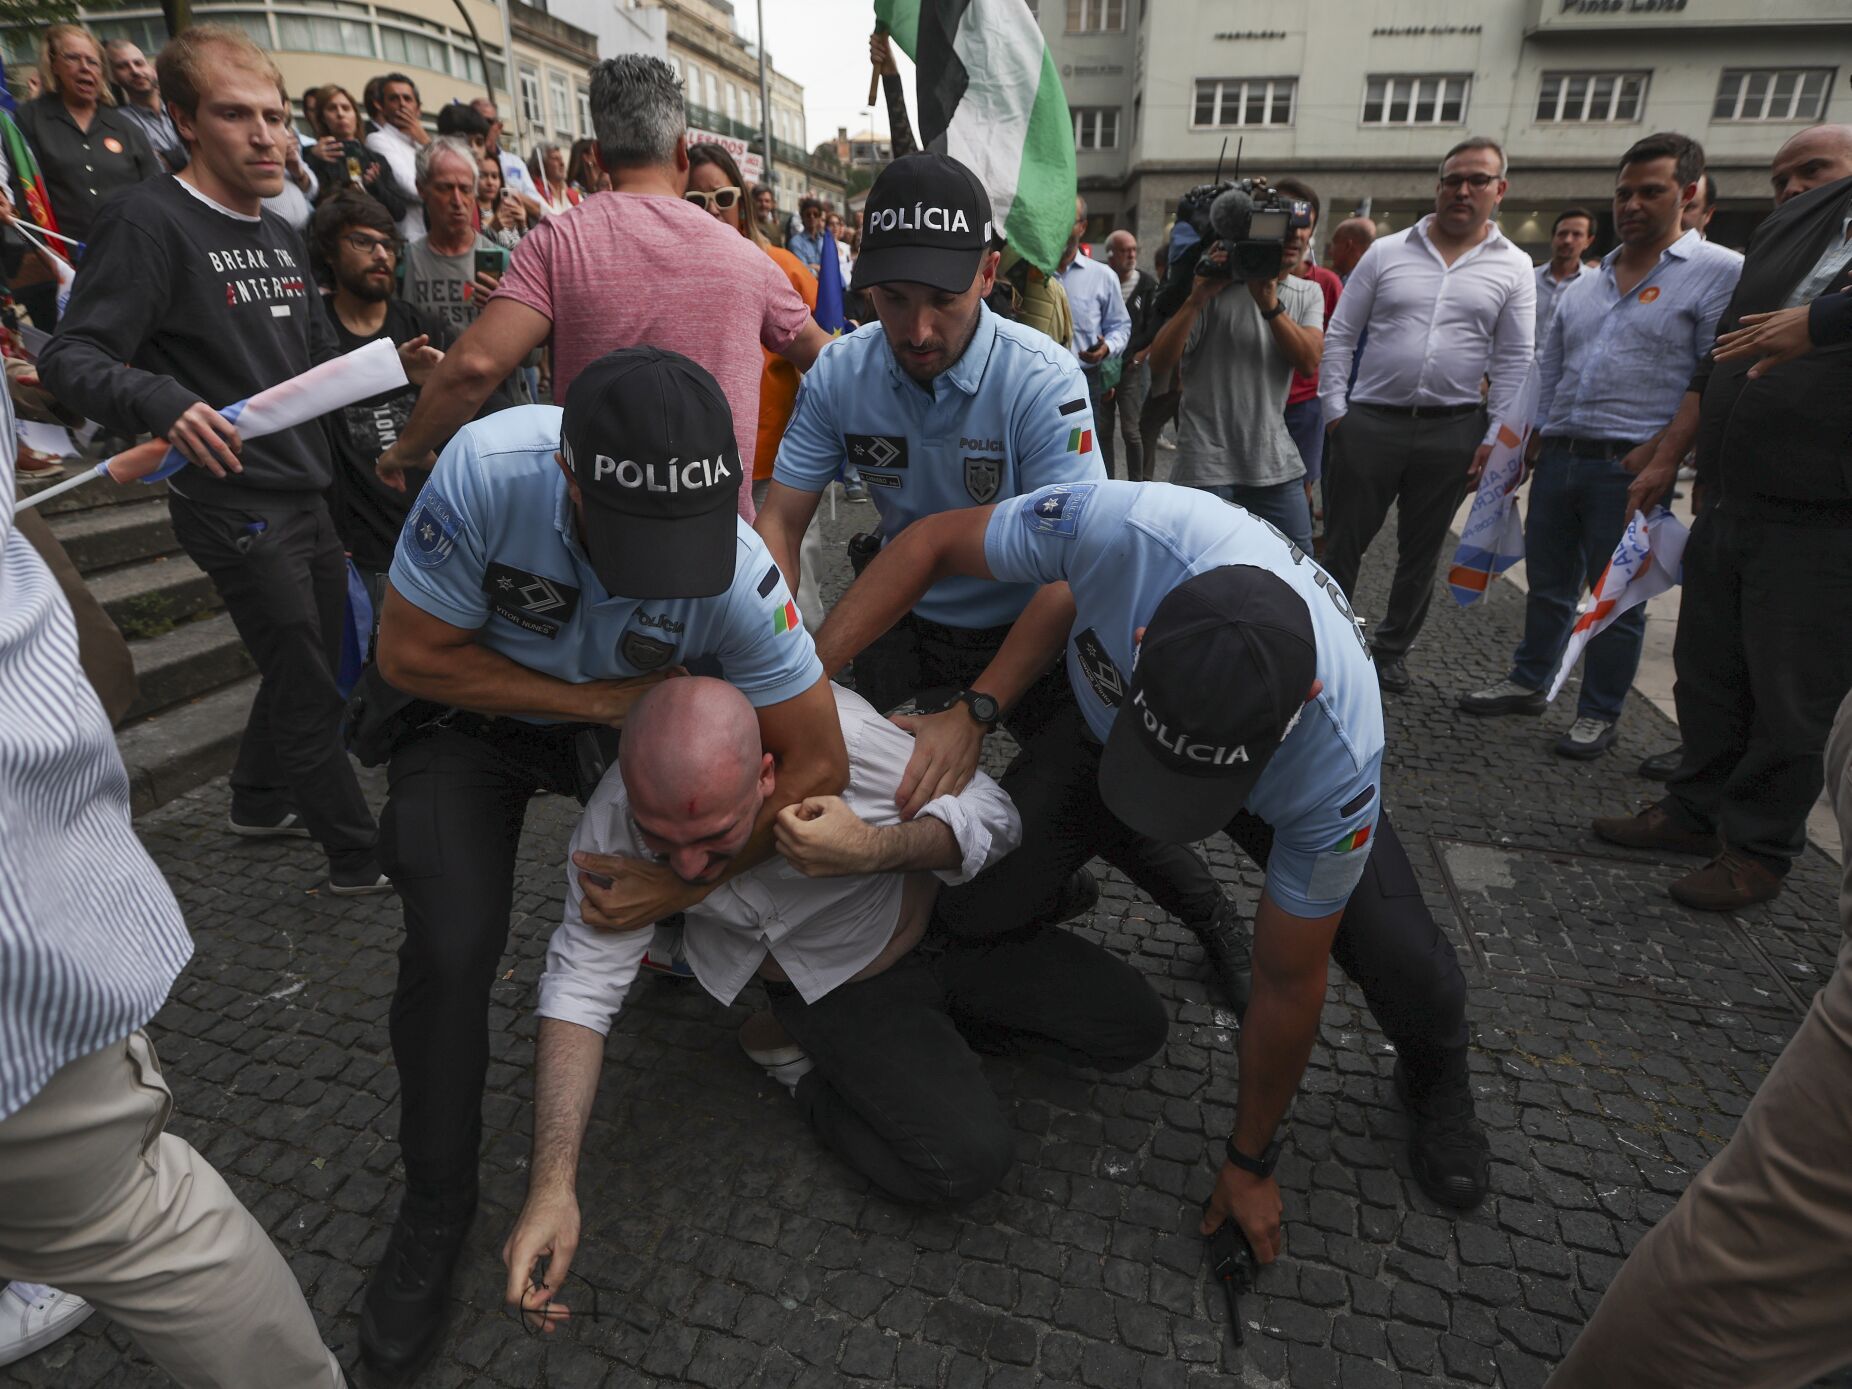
<point x="32" y="1316"/>
<point x="762" y="1039"/>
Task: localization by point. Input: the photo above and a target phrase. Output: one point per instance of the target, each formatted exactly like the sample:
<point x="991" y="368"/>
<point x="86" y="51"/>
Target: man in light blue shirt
<point x="1616" y="362"/>
<point x="1222" y="684"/>
<point x="556" y="563"/>
<point x="945" y="407"/>
<point x="1102" y="324"/>
<point x="1569" y="238"/>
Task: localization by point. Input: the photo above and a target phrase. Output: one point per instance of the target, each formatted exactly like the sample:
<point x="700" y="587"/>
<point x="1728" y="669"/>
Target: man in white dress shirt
<point x="1447" y="302"/>
<point x="873" y="1036"/>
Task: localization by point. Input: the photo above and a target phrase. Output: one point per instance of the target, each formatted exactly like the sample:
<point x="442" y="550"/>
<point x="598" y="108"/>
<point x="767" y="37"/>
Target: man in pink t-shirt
<point x="637" y="266"/>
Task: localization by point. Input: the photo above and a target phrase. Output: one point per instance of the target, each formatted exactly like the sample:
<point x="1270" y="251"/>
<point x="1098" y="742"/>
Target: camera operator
<point x="1239" y="352"/>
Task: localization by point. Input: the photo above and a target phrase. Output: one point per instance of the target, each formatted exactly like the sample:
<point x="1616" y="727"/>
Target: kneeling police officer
<point x="1224" y="686"/>
<point x="556" y="565"/>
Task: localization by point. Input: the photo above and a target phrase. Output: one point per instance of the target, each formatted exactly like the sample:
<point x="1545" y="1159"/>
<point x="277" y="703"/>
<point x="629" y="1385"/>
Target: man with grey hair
<point x="450" y="273"/>
<point x="690" y="285"/>
<point x="1446" y="303"/>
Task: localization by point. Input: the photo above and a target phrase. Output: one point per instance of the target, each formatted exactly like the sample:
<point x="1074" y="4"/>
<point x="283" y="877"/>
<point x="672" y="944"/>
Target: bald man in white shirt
<point x="861" y="1028"/>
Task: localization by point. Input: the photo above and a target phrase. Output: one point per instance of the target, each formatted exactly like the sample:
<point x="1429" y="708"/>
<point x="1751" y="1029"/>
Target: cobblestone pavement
<point x="1618" y="1038"/>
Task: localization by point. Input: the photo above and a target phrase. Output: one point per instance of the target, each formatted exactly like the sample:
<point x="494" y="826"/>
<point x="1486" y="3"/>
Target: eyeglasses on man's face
<point x="370" y="245"/>
<point x="725" y="199"/>
<point x="1453" y="183"/>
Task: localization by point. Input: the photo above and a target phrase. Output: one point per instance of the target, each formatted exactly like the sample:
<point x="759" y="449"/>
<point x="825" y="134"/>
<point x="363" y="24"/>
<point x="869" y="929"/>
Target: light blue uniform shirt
<point x="1122" y="547"/>
<point x="492" y="546"/>
<point x="1011" y="415"/>
<point x="1097" y="301"/>
<point x="1617" y="368"/>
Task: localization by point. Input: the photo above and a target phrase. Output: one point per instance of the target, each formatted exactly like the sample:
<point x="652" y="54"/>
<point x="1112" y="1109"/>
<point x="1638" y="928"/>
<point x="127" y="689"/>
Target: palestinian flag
<point x="989" y="97"/>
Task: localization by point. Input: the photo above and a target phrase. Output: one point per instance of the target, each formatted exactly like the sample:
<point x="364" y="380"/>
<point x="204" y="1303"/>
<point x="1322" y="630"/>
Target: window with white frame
<point x="1096" y="127"/>
<point x="1416" y="99"/>
<point x="584" y="97"/>
<point x="1772" y="94"/>
<point x="1095" y="16"/>
<point x="713" y="92"/>
<point x="1226" y="101"/>
<point x="560" y="90"/>
<point x="1591" y="97"/>
<point x="531" y="112"/>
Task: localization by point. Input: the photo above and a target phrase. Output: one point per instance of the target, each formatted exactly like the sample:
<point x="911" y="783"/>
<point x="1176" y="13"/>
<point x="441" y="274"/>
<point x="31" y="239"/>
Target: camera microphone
<point x="1231" y="213"/>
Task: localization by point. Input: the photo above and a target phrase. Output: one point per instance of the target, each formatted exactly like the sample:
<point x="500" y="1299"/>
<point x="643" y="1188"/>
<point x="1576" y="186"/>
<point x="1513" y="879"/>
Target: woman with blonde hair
<point x="86" y="147"/>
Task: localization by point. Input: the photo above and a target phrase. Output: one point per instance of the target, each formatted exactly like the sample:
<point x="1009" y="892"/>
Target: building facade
<point x="720" y="74"/>
<point x="319" y="41"/>
<point x="1362" y="100"/>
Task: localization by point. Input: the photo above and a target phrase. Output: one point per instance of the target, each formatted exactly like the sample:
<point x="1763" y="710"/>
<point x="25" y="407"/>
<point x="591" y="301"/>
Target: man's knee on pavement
<point x="967" y="1164"/>
<point x="1135" y="1033"/>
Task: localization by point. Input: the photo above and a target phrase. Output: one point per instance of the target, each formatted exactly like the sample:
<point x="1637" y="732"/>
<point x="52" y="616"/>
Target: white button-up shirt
<point x="1435" y="329"/>
<point x="401" y="155"/>
<point x="821" y="931"/>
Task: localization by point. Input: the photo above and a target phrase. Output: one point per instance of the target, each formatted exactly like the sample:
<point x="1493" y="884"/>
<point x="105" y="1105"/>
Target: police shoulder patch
<point x="1057" y="510"/>
<point x="432" y="529"/>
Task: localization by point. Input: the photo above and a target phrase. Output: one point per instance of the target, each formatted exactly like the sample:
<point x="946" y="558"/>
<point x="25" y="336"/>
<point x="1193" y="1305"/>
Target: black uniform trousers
<point x="916" y="656"/>
<point x="283" y="577"/>
<point x="1388" y="942"/>
<point x="898" y="1092"/>
<point x="1763" y="657"/>
<point x="454" y="810"/>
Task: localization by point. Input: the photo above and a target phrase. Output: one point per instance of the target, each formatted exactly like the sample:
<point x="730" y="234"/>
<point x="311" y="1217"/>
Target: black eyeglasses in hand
<point x="548" y="1314"/>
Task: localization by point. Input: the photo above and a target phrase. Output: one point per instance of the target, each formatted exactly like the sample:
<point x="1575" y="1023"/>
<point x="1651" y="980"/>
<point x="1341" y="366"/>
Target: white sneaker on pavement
<point x="32" y="1316"/>
<point x="767" y="1043"/>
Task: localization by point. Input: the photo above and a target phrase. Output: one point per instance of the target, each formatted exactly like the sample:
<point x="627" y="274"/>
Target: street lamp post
<point x="765" y="103"/>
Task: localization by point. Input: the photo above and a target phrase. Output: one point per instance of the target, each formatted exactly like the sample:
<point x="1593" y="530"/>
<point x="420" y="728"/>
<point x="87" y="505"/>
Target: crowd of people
<point x="613" y="596"/>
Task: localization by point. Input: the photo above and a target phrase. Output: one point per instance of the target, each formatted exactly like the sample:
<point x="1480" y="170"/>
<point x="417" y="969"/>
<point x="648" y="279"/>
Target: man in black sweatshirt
<point x="207" y="298"/>
<point x="1762" y="654"/>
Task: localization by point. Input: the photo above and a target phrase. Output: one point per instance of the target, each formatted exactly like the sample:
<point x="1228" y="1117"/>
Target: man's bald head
<point x="695" y="772"/>
<point x="1819" y="155"/>
<point x="1349" y="240"/>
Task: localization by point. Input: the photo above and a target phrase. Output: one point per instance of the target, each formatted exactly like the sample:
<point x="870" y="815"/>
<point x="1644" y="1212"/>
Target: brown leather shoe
<point x="1727" y="883"/>
<point x="1655" y="828"/>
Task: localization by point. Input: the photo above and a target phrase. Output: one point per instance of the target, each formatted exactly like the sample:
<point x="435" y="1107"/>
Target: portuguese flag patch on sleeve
<point x="1080" y="441"/>
<point x="1356" y="839"/>
<point x="785" y="619"/>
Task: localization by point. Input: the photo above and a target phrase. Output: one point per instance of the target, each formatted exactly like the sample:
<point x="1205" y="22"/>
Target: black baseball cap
<point x="927" y="220"/>
<point x="1221" y="676"/>
<point x="649" y="438"/>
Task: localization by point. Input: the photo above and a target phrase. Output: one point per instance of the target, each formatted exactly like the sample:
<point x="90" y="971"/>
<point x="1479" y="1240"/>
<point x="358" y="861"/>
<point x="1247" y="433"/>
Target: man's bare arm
<point x="808" y="343"/>
<point x="491" y="347"/>
<point x="782" y="522"/>
<point x="567" y="1061"/>
<point x="951" y="542"/>
<point x="429" y="658"/>
<point x="822" y="838"/>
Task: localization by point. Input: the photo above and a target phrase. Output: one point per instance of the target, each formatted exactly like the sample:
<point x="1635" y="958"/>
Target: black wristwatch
<point x="1261" y="1166"/>
<point x="1268" y="315"/>
<point x="983" y="708"/>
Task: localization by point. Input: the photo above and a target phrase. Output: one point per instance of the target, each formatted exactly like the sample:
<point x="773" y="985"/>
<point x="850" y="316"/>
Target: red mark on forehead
<point x="691" y="806"/>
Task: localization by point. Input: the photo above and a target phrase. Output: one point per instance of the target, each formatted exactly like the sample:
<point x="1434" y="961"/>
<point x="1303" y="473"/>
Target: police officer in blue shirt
<point x="1223" y="684"/>
<point x="943" y="406"/>
<point x="555" y="565"/>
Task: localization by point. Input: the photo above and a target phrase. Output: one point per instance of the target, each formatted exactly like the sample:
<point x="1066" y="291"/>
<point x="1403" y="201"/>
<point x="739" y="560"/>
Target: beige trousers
<point x="97" y="1199"/>
<point x="1747" y="1283"/>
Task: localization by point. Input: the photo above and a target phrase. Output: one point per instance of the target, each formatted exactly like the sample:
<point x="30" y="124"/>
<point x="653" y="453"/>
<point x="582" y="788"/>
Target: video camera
<point x="1249" y="219"/>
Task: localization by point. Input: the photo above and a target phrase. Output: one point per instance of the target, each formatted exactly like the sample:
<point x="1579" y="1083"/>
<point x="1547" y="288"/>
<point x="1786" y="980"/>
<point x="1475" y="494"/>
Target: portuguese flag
<point x="24" y="165"/>
<point x="990" y="98"/>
